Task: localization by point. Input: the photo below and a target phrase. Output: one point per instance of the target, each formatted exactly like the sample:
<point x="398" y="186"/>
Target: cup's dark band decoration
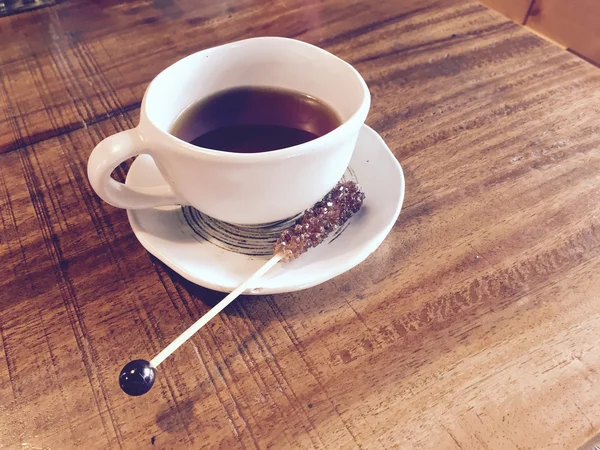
<point x="251" y="240"/>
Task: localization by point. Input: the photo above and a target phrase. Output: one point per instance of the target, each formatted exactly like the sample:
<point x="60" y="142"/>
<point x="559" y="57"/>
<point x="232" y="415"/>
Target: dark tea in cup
<point x="255" y="119"/>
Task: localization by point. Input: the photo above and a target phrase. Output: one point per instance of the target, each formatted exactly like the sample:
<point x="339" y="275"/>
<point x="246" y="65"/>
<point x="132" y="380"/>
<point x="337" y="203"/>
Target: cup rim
<point x="146" y="125"/>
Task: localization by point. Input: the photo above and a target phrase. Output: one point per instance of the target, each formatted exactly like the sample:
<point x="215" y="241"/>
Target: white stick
<point x="193" y="329"/>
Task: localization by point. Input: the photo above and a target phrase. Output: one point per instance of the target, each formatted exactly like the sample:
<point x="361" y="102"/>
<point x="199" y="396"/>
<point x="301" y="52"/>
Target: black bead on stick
<point x="341" y="203"/>
<point x="137" y="377"/>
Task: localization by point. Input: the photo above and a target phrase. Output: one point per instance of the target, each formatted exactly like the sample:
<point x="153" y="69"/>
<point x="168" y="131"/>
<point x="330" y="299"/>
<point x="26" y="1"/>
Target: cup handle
<point x="107" y="155"/>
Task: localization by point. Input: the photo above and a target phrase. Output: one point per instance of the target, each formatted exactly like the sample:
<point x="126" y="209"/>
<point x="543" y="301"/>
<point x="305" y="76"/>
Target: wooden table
<point x="475" y="325"/>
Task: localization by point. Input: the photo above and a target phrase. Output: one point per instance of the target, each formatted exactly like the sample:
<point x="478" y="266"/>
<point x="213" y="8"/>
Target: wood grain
<point x="515" y="10"/>
<point x="474" y="325"/>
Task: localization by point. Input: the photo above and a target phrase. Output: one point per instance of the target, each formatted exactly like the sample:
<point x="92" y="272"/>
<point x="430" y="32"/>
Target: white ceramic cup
<point x="235" y="187"/>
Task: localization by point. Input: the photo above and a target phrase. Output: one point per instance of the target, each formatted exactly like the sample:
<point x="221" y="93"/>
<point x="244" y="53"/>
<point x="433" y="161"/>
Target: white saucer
<point x="174" y="234"/>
